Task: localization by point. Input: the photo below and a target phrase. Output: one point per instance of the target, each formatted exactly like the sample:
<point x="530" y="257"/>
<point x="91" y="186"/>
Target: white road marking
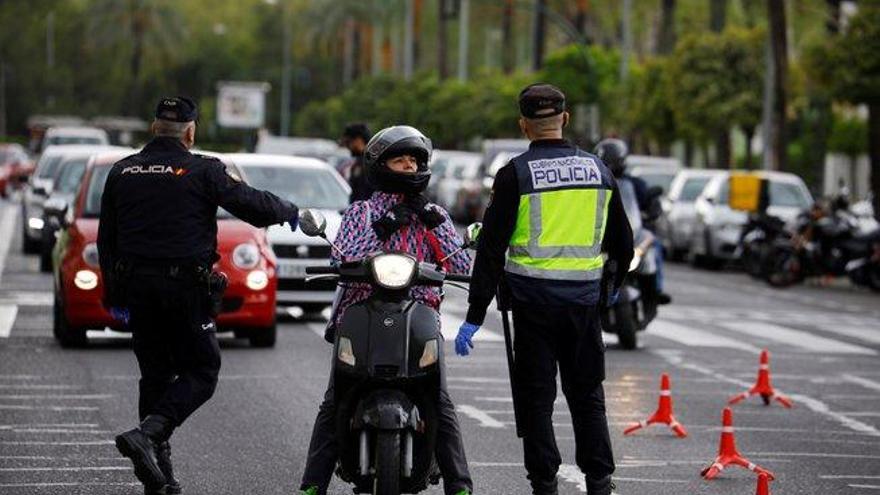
<point x="58" y="397"/>
<point x="39" y="387"/>
<point x="7" y="319"/>
<point x="60" y="431"/>
<point x="813" y="404"/>
<point x="796" y="338"/>
<point x="827" y="455"/>
<point x="868" y="334"/>
<point x="49" y="425"/>
<point x="869" y="384"/>
<point x="474" y="379"/>
<point x="449" y="325"/>
<point x="50" y="485"/>
<point x="476" y="413"/>
<point x="696" y="338"/>
<point x="61" y="444"/>
<point x="17" y="407"/>
<point x="866" y="487"/>
<point x="73" y="469"/>
<point x="847" y="477"/>
<point x="28" y="298"/>
<point x="7" y="226"/>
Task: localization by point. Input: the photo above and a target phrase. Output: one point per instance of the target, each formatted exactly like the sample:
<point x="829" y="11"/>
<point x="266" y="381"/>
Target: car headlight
<point x="86" y="279"/>
<point x="90" y="255"/>
<point x="35" y="223"/>
<point x="393" y="271"/>
<point x="245" y="256"/>
<point x="430" y="354"/>
<point x="345" y="353"/>
<point x="257" y="280"/>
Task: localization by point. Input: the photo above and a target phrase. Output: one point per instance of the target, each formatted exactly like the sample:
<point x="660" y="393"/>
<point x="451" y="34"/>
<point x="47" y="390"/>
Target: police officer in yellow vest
<point x="557" y="215"/>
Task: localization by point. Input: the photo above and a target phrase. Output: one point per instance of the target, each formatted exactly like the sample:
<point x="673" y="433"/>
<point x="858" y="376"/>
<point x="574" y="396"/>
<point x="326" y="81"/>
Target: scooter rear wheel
<point x="387" y="462"/>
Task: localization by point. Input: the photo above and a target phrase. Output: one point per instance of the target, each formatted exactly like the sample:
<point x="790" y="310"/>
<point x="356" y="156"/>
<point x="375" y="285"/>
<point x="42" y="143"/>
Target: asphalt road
<point x="59" y="409"/>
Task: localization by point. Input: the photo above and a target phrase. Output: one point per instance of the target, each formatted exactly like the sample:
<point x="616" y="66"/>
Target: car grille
<point x="300" y="284"/>
<point x="385" y="371"/>
<point x="291" y="251"/>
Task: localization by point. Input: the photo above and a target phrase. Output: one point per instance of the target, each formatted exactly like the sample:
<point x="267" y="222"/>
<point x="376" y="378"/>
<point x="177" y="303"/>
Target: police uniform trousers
<point x="324" y="449"/>
<point x="570" y="338"/>
<point x="175" y="342"/>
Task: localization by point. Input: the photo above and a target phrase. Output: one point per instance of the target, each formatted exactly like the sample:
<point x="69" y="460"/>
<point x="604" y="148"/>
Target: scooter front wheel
<point x="387" y="462"/>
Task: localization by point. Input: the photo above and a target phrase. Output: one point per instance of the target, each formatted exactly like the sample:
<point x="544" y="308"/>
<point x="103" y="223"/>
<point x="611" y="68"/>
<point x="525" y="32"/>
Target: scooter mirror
<point x="472" y="234"/>
<point x="312" y="223"/>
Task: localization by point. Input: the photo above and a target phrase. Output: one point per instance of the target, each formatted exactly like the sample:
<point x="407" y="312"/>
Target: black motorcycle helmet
<point x="613" y="153"/>
<point x="392" y="142"/>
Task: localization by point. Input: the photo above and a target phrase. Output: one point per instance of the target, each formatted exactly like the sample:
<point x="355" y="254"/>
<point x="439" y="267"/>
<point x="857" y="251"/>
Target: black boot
<point x="601" y="486"/>
<point x="139" y="445"/>
<point x="163" y="458"/>
<point x="540" y="487"/>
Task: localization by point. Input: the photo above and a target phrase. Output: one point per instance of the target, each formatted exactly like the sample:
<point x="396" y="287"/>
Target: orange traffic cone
<point x="763" y="485"/>
<point x="727" y="453"/>
<point x="762" y="387"/>
<point x="663" y="415"/>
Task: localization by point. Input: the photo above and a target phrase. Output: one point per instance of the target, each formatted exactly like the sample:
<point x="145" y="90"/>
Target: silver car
<point x="717" y="228"/>
<point x="676" y="226"/>
<point x="458" y="178"/>
<point x="656" y="171"/>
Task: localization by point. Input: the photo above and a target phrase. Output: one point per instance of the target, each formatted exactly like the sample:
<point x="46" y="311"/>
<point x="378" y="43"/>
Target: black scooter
<point x="386" y="369"/>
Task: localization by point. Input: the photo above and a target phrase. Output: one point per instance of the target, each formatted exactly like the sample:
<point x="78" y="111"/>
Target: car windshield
<point x="788" y="194"/>
<point x="692" y="188"/>
<point x="96" y="189"/>
<point x="663" y="181"/>
<point x="304" y="187"/>
<point x="70" y="175"/>
<point x="48" y="166"/>
<point x="74" y="140"/>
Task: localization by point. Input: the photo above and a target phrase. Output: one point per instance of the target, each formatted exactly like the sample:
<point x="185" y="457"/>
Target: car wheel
<point x="627" y="326"/>
<point x="66" y="335"/>
<point x="264" y="337"/>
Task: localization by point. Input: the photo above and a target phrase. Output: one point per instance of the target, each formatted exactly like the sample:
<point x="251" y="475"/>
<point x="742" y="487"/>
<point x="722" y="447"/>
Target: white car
<point x="458" y="176"/>
<point x="676" y="225"/>
<point x="308" y="183"/>
<point x="654" y="170"/>
<point x="74" y="135"/>
<point x="718" y="228"/>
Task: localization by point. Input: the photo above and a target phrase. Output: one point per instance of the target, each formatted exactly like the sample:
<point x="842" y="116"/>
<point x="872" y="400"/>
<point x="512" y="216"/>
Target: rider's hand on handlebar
<point x="397" y="217"/>
<point x="426" y="213"/>
<point x="463" y="343"/>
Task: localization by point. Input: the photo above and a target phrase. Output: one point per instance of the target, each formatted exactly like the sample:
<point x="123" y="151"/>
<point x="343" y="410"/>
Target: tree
<point x="714" y="81"/>
<point x="779" y="57"/>
<point x="853" y="74"/>
<point x="650" y="113"/>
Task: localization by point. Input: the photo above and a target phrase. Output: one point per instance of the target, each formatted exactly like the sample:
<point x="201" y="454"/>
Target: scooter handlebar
<point x="453" y="277"/>
<point x="322" y="270"/>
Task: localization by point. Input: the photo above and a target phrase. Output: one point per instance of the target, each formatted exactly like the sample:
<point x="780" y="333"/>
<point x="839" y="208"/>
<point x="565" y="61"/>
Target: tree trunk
<point x="779" y="50"/>
<point x="580" y="17"/>
<point x="666" y="34"/>
<point x="539" y="35"/>
<point x="688" y="153"/>
<point x="717" y="15"/>
<point x="749" y="133"/>
<point x="874" y="153"/>
<point x="507" y="48"/>
<point x="442" y="66"/>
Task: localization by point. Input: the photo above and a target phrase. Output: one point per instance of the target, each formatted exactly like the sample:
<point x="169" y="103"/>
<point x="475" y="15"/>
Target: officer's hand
<point x="463" y="343"/>
<point x="120" y="314"/>
<point x="612" y="299"/>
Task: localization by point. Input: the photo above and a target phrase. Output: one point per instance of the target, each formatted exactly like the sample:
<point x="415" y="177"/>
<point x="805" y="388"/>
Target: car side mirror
<point x="472" y="234"/>
<point x="312" y="223"/>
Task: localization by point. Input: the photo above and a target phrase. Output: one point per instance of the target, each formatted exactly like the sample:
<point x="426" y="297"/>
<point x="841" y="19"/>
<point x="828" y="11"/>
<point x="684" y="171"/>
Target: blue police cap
<point x="177" y="109"/>
<point x="541" y="100"/>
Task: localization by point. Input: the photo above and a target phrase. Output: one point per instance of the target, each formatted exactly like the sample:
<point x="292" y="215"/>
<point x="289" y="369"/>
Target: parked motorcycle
<point x="826" y="245"/>
<point x="386" y="370"/>
<point x="759" y="238"/>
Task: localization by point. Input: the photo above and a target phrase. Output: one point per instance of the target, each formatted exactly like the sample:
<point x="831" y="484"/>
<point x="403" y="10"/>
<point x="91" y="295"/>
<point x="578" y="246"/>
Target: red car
<point x="248" y="307"/>
<point x="15" y="166"/>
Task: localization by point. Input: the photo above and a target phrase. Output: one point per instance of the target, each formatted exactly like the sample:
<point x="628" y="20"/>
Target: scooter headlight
<point x="393" y="271"/>
<point x="345" y="352"/>
<point x="430" y="354"/>
<point x="246" y="256"/>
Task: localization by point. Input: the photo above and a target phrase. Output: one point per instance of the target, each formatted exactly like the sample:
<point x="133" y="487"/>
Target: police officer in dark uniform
<point x="355" y="138"/>
<point x="557" y="215"/>
<point x="157" y="242"/>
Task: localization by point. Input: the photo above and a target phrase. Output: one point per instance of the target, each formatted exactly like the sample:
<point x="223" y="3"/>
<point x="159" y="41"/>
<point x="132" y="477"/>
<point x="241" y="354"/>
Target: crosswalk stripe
<point x="867" y="334"/>
<point x="27" y="298"/>
<point x="695" y="338"/>
<point x="7" y="319"/>
<point x="796" y="338"/>
<point x="7" y="225"/>
<point x="449" y="325"/>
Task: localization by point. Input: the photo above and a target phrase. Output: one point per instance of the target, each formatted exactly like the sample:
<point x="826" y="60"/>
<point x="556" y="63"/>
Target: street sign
<point x="241" y="105"/>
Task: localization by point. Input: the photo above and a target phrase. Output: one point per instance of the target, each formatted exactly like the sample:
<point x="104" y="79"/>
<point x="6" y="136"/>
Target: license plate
<point x="290" y="270"/>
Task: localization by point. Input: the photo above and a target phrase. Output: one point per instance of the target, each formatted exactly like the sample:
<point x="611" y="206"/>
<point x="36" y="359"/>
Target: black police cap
<point x="177" y="109"/>
<point x="541" y="100"/>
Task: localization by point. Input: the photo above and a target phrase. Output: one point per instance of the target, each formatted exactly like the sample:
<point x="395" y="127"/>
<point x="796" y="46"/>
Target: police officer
<point x="355" y="138"/>
<point x="554" y="210"/>
<point x="157" y="241"/>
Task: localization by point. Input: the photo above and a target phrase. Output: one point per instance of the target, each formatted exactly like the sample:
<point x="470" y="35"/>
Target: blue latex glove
<point x="463" y="343"/>
<point x="121" y="315"/>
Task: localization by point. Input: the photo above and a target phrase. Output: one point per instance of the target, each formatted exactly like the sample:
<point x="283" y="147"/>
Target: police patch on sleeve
<point x="564" y="171"/>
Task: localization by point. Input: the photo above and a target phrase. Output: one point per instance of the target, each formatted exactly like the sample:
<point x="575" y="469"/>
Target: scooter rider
<point x="614" y="153"/>
<point x="555" y="209"/>
<point x="396" y="217"/>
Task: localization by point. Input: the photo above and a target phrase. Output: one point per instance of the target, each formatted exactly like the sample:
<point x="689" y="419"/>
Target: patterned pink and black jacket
<point x="357" y="240"/>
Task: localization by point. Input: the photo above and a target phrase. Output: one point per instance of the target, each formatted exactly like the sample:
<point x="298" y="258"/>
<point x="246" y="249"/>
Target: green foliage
<point x="715" y="81"/>
<point x="848" y="136"/>
<point x="855" y="58"/>
<point x="650" y="112"/>
<point x="572" y="70"/>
